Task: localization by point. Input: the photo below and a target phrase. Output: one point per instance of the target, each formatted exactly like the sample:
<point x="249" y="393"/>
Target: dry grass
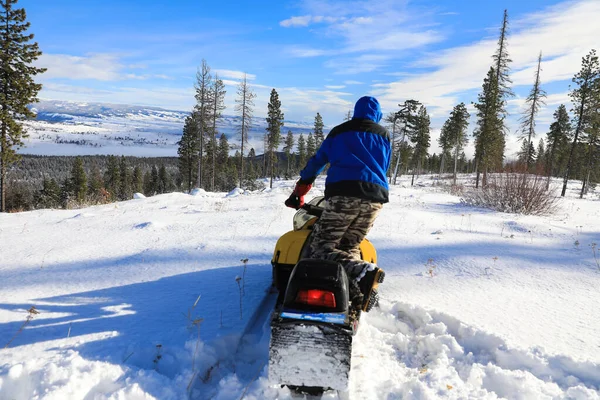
<point x="518" y="193"/>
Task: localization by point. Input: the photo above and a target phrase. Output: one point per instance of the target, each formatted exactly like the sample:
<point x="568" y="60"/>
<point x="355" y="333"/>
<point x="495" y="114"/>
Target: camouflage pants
<point x="340" y="230"/>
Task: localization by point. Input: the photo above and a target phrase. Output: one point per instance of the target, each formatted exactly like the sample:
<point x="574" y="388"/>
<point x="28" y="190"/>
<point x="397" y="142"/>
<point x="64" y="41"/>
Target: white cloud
<point x="335" y="87"/>
<point x="296" y="21"/>
<point x="306" y="20"/>
<point x="100" y="67"/>
<point x="462" y="69"/>
<point x="227" y="73"/>
<point x="303" y="52"/>
<point x="388" y="27"/>
<point x="351" y="82"/>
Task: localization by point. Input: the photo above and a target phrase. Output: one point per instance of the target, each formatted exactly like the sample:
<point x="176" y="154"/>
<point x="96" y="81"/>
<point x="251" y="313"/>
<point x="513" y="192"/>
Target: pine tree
<point x="421" y="138"/>
<point x="301" y="151"/>
<point x="311" y="146"/>
<point x="148" y="183"/>
<point x="318" y="130"/>
<point x="406" y="117"/>
<point x="274" y="124"/>
<point x="78" y="183"/>
<point x="17" y="86"/>
<point x="453" y="135"/>
<point x="165" y="183"/>
<point x="557" y="139"/>
<point x="154" y="181"/>
<point x="95" y="186"/>
<point x="502" y="61"/>
<point x="489" y="139"/>
<point x="583" y="98"/>
<point x="348" y="115"/>
<point x="287" y="148"/>
<point x="189" y="148"/>
<point x="137" y="180"/>
<point x="125" y="191"/>
<point x="218" y="105"/>
<point x="245" y="108"/>
<point x="591" y="138"/>
<point x="112" y="178"/>
<point x="540" y="156"/>
<point x="49" y="195"/>
<point x="526" y="154"/>
<point x="533" y="102"/>
<point x="392" y="121"/>
<point x="223" y="181"/>
<point x="202" y="109"/>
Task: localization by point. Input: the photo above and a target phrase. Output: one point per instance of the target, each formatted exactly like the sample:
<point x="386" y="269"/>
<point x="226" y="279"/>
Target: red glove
<point x="296" y="200"/>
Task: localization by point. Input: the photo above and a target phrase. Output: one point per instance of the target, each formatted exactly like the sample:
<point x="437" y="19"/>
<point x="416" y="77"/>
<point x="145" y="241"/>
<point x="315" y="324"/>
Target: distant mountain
<point x="79" y="128"/>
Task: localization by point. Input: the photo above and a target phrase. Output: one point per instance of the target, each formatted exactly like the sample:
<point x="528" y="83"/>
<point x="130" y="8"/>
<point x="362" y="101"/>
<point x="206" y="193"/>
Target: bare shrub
<point x="514" y="193"/>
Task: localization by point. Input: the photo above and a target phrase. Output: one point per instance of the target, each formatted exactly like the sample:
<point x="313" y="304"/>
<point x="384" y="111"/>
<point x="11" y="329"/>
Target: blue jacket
<point x="358" y="152"/>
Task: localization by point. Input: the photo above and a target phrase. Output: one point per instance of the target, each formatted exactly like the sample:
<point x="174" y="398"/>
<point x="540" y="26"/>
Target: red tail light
<point x="316" y="297"/>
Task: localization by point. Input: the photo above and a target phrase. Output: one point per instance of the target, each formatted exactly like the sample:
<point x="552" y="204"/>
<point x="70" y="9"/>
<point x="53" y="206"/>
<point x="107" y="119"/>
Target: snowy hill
<point x="69" y="128"/>
<point x="476" y="304"/>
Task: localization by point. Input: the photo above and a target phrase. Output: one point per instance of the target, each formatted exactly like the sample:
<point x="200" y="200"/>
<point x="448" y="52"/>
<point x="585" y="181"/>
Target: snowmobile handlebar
<point x="313" y="210"/>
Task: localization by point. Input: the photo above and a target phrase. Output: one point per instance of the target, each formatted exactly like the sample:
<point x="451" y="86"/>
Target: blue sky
<point x="320" y="55"/>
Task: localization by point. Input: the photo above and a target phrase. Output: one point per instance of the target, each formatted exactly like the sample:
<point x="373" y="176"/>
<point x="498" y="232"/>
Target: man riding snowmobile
<point x="358" y="153"/>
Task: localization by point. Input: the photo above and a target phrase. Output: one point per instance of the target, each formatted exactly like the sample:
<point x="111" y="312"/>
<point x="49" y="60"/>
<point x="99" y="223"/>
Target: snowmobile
<point x="317" y="310"/>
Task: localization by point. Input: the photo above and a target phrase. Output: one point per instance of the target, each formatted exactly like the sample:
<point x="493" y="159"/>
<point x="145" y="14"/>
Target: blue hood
<point x="368" y="107"/>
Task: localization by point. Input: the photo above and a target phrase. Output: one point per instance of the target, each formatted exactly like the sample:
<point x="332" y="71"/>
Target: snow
<point x="140" y="299"/>
<point x="68" y="128"/>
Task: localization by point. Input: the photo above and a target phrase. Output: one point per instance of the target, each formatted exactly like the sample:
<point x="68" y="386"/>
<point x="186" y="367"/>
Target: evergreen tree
<point x="591" y="138"/>
<point x="421" y="138"/>
<point x="218" y="105"/>
<point x="165" y="183"/>
<point x="224" y="178"/>
<point x="584" y="99"/>
<point x="533" y="102"/>
<point x="526" y="154"/>
<point x="301" y="151"/>
<point x="188" y="151"/>
<point x="489" y="137"/>
<point x="392" y="121"/>
<point x="406" y="117"/>
<point x="502" y="61"/>
<point x="274" y="124"/>
<point x="311" y="146"/>
<point x="287" y="148"/>
<point x="202" y="114"/>
<point x="148" y="183"/>
<point x="490" y="141"/>
<point x="49" y="195"/>
<point x="318" y="130"/>
<point x="541" y="154"/>
<point x="137" y="180"/>
<point x="348" y="115"/>
<point x="154" y="182"/>
<point x="245" y="108"/>
<point x="96" y="186"/>
<point x="112" y="178"/>
<point x="459" y="122"/>
<point x="78" y="181"/>
<point x="125" y="191"/>
<point x="557" y="139"/>
<point x="66" y="193"/>
<point x="17" y="86"/>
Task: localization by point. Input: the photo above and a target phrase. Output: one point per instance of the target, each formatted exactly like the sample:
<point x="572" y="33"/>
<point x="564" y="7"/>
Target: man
<point x="358" y="153"/>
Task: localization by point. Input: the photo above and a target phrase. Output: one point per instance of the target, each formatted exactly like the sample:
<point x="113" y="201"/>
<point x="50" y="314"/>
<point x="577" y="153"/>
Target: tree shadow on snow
<point x="135" y="323"/>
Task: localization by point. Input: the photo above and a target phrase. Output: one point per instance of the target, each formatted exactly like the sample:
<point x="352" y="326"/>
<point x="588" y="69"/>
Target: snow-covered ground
<point x="141" y="300"/>
<point x="69" y="128"/>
